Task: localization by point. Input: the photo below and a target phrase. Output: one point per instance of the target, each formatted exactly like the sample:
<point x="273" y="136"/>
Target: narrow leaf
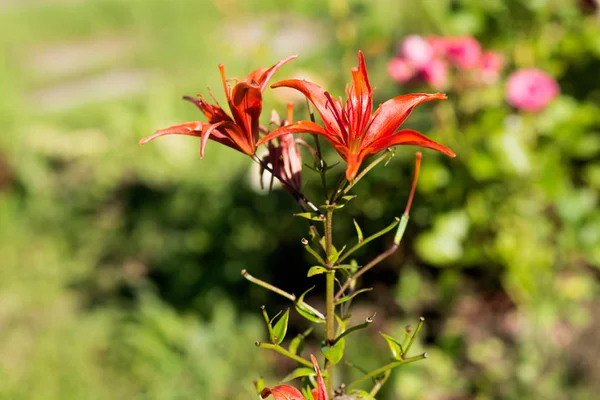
<point x="280" y="328"/>
<point x="298" y="373"/>
<point x="305" y="311"/>
<point x="358" y="231"/>
<point x="316" y="270"/>
<point x="309" y="215"/>
<point x="351" y="296"/>
<point x="395" y="346"/>
<point x="361" y="395"/>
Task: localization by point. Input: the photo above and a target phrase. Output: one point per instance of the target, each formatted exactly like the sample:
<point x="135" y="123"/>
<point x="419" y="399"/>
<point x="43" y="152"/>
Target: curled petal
<point x="321" y="391"/>
<point x="262" y="75"/>
<point x="214" y="113"/>
<point x="327" y="107"/>
<point x="299" y="127"/>
<point x="406" y="136"/>
<point x="391" y="114"/>
<point x="193" y="128"/>
<point x="206" y="135"/>
<point x="282" y="392"/>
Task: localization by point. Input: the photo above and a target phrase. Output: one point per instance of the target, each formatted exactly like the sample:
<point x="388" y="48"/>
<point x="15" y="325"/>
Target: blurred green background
<point x="120" y="264"/>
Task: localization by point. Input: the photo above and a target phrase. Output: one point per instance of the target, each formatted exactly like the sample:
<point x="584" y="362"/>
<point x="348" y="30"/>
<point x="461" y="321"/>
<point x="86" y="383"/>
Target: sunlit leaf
<point x="395" y="346"/>
<point x="358" y="231"/>
<point x="280" y="328"/>
<point x="334" y="353"/>
<point x="351" y="296"/>
<point x="316" y="270"/>
<point x="310" y="216"/>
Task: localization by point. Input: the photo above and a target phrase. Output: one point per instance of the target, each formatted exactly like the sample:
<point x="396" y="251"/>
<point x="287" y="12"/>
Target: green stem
<point x="414" y="335"/>
<point x="386" y="368"/>
<point x="380" y="382"/>
<point x="367" y="322"/>
<point x="329" y="302"/>
<point x="284" y="352"/>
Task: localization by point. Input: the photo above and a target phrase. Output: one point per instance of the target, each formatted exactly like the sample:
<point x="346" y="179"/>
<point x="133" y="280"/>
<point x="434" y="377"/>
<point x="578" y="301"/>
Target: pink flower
<point x="435" y="74"/>
<point x="400" y="70"/>
<point x="438" y="45"/>
<point x="463" y="51"/>
<point x="490" y="65"/>
<point x="417" y="51"/>
<point x="531" y="89"/>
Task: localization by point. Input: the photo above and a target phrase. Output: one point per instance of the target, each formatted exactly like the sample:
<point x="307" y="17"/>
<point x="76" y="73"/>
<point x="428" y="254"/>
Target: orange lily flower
<point x="351" y="129"/>
<point x="287" y="392"/>
<point x="238" y="131"/>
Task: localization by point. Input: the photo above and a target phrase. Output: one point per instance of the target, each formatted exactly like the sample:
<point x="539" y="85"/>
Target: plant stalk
<point x="329" y="302"/>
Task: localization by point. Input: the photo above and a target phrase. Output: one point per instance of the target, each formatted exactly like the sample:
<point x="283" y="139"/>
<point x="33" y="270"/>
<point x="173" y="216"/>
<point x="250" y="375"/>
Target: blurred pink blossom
<point x="531" y="89"/>
<point x="463" y="51"/>
<point x="490" y="65"/>
<point x="400" y="70"/>
<point x="435" y="74"/>
<point x="417" y="51"/>
<point x="438" y="45"/>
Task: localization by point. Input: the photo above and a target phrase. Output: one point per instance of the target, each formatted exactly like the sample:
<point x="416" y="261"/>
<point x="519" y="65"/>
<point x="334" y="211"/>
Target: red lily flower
<point x="287" y="392"/>
<point x="351" y="129"/>
<point x="240" y="131"/>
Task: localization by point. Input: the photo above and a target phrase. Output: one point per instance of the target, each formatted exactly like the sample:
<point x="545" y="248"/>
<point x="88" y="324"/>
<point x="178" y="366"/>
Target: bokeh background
<point x="120" y="265"/>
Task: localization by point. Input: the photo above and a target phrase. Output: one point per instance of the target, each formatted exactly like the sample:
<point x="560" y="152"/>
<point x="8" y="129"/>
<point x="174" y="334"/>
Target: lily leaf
<point x="334" y="353"/>
<point x="305" y="311"/>
<point x="309" y="215"/>
<point x="316" y="270"/>
<point x="280" y="328"/>
<point x="395" y="346"/>
<point x="351" y="296"/>
<point x="360" y="395"/>
<point x="298" y="373"/>
<point x="297" y="343"/>
<point x="358" y="231"/>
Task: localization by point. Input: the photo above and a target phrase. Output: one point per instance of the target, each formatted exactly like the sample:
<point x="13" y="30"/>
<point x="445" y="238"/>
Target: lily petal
<point x="193" y="128"/>
<point x="320" y="390"/>
<point x="246" y="106"/>
<point x="391" y="114"/>
<point x="300" y="127"/>
<point x="282" y="392"/>
<point x="214" y="113"/>
<point x="360" y="104"/>
<point x="319" y="97"/>
<point x="262" y="75"/>
<point x="406" y="136"/>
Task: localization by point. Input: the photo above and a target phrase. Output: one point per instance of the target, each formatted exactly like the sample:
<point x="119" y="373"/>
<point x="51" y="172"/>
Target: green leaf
<point x="341" y="324"/>
<point x="360" y="395"/>
<point x="395" y="346"/>
<point x="305" y="311"/>
<point x="298" y="373"/>
<point x="316" y="270"/>
<point x="259" y="384"/>
<point x="334" y="353"/>
<point x="351" y="296"/>
<point x="333" y="257"/>
<point x="358" y="231"/>
<point x="310" y="216"/>
<point x="280" y="328"/>
<point x="344" y="200"/>
<point x="297" y="343"/>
